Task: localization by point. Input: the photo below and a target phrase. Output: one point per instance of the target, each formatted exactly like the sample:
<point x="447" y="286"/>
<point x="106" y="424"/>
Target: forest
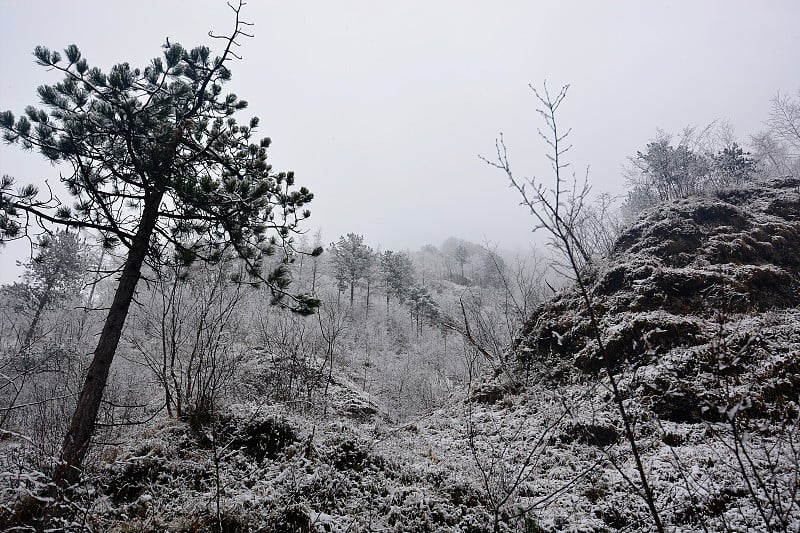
<point x="182" y="354"/>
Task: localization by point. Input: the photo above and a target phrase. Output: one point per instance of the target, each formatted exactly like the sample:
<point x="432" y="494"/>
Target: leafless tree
<point x="291" y="345"/>
<point x="778" y="148"/>
<point x="333" y="320"/>
<point x="558" y="210"/>
<point x="187" y="335"/>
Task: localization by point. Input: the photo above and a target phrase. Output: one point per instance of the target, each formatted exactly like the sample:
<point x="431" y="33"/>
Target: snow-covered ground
<point x="698" y="308"/>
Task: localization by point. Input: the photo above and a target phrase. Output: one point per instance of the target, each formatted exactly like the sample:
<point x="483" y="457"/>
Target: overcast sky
<point x="381" y="108"/>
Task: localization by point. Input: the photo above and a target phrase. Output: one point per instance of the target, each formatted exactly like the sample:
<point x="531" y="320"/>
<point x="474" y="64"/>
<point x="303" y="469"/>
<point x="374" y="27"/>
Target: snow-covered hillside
<point x="698" y="311"/>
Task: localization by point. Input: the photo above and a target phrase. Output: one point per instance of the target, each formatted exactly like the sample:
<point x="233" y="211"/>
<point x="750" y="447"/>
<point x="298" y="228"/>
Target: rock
<point x="671" y="296"/>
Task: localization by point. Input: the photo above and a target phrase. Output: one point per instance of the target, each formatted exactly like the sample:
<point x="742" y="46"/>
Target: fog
<point x="381" y="109"/>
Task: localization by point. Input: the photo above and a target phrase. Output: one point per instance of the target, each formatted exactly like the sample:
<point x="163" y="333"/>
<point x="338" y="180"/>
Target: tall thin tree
<point x="159" y="166"/>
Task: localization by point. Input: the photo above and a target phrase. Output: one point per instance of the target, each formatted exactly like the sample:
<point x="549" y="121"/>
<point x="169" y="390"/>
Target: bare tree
<point x="187" y="335"/>
<point x="333" y="320"/>
<point x="291" y="343"/>
<point x="558" y="210"/>
<point x="784" y="120"/>
<point x="778" y="148"/>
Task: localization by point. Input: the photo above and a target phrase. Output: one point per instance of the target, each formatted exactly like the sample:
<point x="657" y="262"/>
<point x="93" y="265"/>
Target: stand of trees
<point x="666" y="171"/>
<point x="708" y="159"/>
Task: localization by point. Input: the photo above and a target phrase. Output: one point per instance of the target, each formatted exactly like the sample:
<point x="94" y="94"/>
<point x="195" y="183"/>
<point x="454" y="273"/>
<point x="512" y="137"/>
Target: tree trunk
<point x="368" y="289"/>
<point x="76" y="441"/>
<point x="314" y="277"/>
<point x="165" y="352"/>
<point x="90" y="298"/>
<point x="37" y="316"/>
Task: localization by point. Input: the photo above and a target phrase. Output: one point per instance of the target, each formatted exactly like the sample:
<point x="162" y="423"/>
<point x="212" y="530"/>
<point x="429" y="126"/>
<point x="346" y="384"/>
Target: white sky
<point x="382" y="107"/>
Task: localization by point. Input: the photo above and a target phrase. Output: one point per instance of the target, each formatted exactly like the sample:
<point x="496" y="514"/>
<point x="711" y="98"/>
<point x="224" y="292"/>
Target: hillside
<point x="699" y="308"/>
<point x="699" y="312"/>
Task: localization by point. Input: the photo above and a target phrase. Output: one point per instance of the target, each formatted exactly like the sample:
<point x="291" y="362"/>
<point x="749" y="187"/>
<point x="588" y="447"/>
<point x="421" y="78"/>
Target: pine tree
<point x="52" y="275"/>
<point x="397" y="272"/>
<point x="422" y="306"/>
<point x="732" y="165"/>
<point x="462" y="255"/>
<point x="351" y="260"/>
<point x="160" y="167"/>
